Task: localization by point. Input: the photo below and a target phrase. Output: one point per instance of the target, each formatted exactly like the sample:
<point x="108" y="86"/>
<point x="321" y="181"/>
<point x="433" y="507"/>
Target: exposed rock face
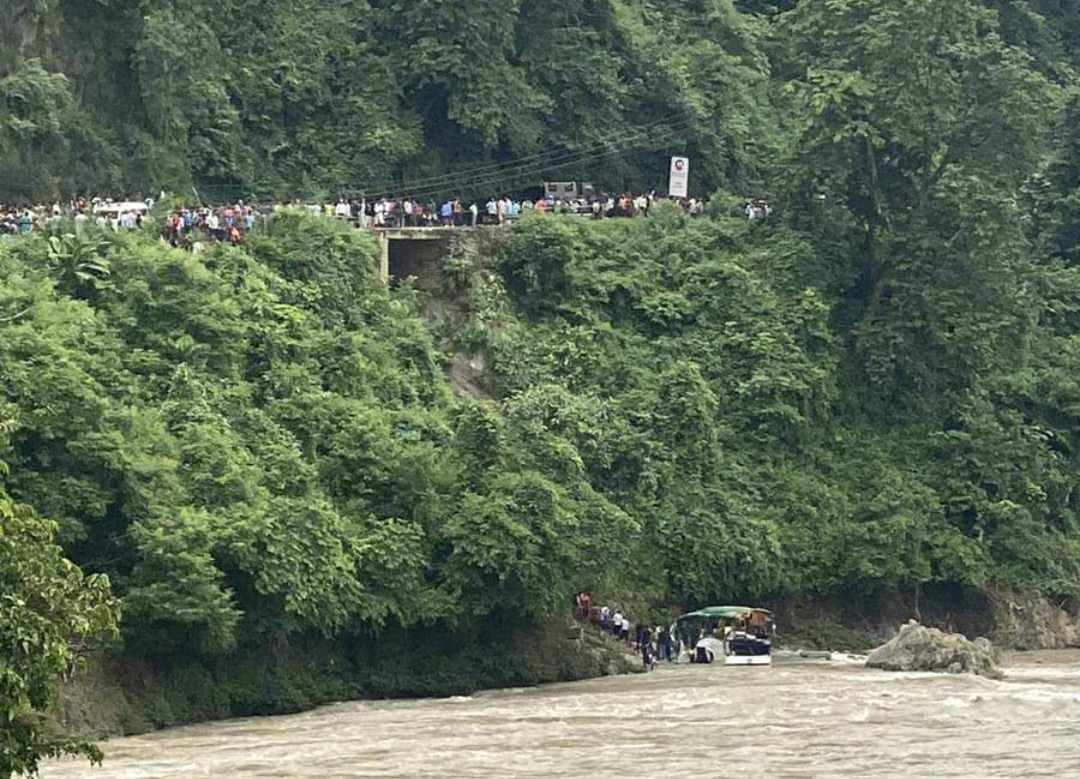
<point x="1032" y="622"/>
<point x="610" y="657"/>
<point x="25" y="23"/>
<point x="919" y="648"/>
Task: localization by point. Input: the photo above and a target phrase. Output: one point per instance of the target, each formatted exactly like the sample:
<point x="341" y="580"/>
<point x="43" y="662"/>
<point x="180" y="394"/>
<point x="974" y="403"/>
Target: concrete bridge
<point x="420" y="251"/>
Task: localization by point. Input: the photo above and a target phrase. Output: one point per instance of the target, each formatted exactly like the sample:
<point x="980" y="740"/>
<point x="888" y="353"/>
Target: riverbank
<point x="118" y="696"/>
<point x="856" y="622"/>
<point x="824" y="720"/>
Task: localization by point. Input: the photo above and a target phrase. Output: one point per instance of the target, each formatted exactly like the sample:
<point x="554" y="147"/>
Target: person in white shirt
<point x="474" y="212"/>
<point x="342" y="209"/>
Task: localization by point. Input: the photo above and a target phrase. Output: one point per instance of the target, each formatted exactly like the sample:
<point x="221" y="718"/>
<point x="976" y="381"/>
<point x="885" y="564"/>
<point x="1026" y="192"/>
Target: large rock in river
<point x="919" y="648"/>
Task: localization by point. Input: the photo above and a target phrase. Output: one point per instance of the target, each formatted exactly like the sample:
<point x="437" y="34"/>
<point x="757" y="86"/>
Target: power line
<point x="508" y="176"/>
<point x="512" y="170"/>
<point x="678" y="121"/>
<point x="681" y="117"/>
<point x="567" y="159"/>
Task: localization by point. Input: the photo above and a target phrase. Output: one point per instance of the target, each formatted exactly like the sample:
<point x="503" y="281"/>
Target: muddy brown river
<point x="795" y="719"/>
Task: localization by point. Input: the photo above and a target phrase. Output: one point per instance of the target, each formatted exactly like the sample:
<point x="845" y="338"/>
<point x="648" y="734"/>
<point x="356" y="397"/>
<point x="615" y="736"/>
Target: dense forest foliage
<point x="876" y="390"/>
<point x="294" y="97"/>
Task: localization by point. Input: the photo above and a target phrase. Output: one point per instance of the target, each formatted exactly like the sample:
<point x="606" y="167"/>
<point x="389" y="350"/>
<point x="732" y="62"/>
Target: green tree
<point x="35" y="116"/>
<point x="50" y="615"/>
<point x="923" y="123"/>
<point x="194" y="130"/>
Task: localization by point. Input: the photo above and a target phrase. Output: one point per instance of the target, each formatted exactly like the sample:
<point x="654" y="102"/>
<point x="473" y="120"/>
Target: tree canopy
<point x="50" y="613"/>
<point x="291" y="98"/>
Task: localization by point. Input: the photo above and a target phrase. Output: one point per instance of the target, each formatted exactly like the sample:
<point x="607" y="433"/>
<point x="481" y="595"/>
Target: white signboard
<point x="680" y="177"/>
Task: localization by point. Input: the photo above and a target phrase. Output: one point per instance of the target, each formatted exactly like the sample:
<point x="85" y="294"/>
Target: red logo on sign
<point x="679" y="165"/>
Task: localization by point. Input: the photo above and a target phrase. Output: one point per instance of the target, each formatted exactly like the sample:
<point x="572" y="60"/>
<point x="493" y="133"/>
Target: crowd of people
<point x="653" y="642"/>
<point x="496" y="211"/>
<point x="187" y="226"/>
<point x="19" y="220"/>
<point x="192" y="225"/>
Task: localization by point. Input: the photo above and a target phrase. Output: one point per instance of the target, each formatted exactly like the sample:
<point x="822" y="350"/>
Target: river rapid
<point x="795" y="719"/>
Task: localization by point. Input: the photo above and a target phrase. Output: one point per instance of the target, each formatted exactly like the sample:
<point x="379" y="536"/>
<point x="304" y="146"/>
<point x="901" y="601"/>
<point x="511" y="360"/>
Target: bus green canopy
<point x="722" y="612"/>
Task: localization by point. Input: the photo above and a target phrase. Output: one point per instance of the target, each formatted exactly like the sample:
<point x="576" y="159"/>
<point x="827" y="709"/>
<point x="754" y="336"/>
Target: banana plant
<point x="81" y="267"/>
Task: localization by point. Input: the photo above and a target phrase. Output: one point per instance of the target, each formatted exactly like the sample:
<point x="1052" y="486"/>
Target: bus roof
<point x="724" y="612"/>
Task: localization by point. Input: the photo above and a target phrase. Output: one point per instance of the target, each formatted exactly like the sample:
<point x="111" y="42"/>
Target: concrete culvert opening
<point x="418" y="257"/>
